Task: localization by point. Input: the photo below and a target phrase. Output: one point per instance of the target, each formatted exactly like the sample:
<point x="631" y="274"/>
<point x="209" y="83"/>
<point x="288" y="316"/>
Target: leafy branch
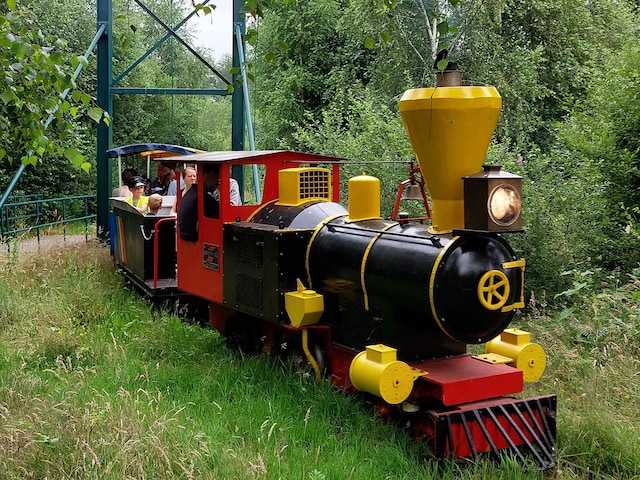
<point x="35" y="118"/>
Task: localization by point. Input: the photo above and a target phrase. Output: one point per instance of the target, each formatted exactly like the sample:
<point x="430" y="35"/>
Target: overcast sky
<point x="215" y="30"/>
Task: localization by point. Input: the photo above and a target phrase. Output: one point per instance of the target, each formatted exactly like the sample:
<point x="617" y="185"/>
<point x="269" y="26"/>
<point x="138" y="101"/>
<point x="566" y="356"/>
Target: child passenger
<point x="138" y="200"/>
<point x="155" y="204"/>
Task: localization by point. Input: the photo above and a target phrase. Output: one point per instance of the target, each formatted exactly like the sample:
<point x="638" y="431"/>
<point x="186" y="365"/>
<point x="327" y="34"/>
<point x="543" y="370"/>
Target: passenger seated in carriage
<point x="155" y="204"/>
<point x="212" y="185"/>
<point x="138" y="200"/>
<point x="123" y="190"/>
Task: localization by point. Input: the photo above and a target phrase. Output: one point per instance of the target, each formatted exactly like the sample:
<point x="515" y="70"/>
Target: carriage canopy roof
<point x="150" y="148"/>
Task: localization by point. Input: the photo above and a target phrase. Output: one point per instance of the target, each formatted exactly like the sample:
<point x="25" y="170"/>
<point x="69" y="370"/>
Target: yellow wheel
<point x="493" y="290"/>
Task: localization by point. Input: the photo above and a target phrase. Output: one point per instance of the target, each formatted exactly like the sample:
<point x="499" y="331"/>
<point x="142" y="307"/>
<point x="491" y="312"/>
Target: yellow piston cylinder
<point x="364" y="198"/>
<point x="449" y="129"/>
<point x="377" y="371"/>
<point x="527" y="356"/>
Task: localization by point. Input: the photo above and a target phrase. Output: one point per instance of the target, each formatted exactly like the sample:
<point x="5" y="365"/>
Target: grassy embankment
<point x="94" y="383"/>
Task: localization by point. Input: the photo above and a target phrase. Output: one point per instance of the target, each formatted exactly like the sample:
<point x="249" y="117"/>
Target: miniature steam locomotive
<point x="385" y="307"/>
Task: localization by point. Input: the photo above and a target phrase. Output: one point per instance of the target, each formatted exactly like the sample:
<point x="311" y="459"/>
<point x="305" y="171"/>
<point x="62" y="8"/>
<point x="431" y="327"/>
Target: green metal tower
<point x="107" y="86"/>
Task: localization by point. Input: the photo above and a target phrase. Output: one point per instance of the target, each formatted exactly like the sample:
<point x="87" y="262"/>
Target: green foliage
<point x="608" y="143"/>
<point x="515" y="72"/>
<point x="563" y="227"/>
<point x="34" y="120"/>
<point x="195" y="121"/>
<point x="310" y="56"/>
<point x="540" y="58"/>
<point x="592" y="349"/>
<point x="367" y="134"/>
<point x="571" y="217"/>
<point x="188" y="120"/>
<point x="256" y="8"/>
<point x="413" y="33"/>
<point x="304" y="45"/>
<point x="633" y="221"/>
<point x="53" y="178"/>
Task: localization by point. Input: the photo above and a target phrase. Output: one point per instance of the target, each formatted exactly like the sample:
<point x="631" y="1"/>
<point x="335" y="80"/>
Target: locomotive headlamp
<point x="504" y="205"/>
<point x="492" y="200"/>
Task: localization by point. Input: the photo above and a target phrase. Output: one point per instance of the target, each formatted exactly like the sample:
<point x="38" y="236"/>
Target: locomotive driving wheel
<point x="321" y="368"/>
<point x="242" y="333"/>
<point x="301" y="362"/>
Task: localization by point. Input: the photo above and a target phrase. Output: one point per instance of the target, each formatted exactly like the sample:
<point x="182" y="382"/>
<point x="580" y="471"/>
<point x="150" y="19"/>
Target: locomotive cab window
<point x="213" y="182"/>
<point x="253" y="178"/>
<point x="211" y="191"/>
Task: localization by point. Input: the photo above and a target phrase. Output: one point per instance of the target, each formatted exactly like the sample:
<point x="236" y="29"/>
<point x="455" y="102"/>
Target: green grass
<point x="593" y="349"/>
<point x="95" y="383"/>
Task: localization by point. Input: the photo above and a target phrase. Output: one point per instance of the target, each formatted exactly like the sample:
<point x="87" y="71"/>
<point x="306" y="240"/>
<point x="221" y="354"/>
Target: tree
<point x="298" y="46"/>
<point x="603" y="131"/>
<point x="33" y="119"/>
<point x="164" y="118"/>
<point x="541" y="57"/>
<point x="369" y="135"/>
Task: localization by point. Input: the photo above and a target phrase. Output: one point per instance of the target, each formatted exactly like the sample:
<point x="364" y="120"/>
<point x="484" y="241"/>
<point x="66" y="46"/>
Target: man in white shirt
<point x="234" y="189"/>
<point x="234" y="192"/>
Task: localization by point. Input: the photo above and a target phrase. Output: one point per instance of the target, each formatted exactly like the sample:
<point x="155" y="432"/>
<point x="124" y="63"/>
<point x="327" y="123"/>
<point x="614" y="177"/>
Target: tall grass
<point x="96" y="383"/>
<point x="593" y="349"/>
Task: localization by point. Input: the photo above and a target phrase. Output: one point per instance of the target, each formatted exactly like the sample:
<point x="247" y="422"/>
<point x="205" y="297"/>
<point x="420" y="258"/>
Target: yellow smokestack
<point x="449" y="129"/>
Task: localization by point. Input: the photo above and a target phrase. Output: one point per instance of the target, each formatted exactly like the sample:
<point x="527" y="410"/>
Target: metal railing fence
<point x="32" y="213"/>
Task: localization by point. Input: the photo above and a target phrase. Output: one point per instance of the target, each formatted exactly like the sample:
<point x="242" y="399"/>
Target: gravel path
<point x="33" y="245"/>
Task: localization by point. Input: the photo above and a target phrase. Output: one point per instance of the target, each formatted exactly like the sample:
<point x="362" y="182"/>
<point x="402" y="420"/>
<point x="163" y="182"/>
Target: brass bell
<point x="412" y="192"/>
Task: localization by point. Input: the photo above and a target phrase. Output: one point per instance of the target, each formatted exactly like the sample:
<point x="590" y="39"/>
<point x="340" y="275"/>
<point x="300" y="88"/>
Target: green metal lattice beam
<point x="107" y="87"/>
